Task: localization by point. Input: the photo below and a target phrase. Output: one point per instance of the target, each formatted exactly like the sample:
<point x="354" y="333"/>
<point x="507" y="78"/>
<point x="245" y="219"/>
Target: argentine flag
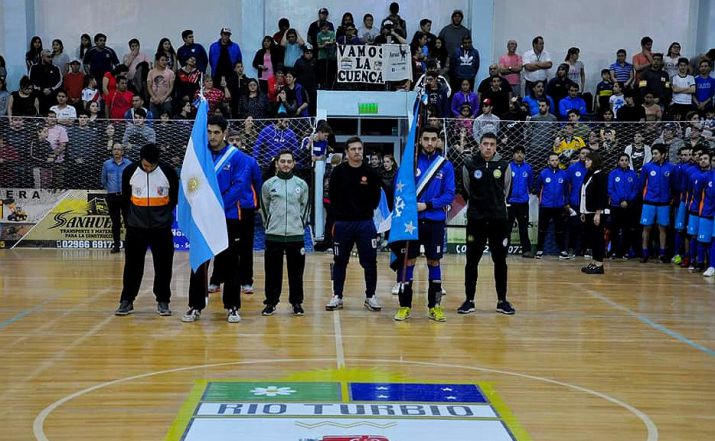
<point x="200" y="214"/>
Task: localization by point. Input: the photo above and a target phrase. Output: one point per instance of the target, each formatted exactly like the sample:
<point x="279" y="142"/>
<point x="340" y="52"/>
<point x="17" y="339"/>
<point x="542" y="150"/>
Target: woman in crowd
<point x="33" y="55"/>
<point x="347" y="20"/>
<point x="4" y="96"/>
<point x="109" y="80"/>
<point x="167" y="49"/>
<point x="576" y="73"/>
<point x="23" y="102"/>
<point x="670" y="60"/>
<point x="594" y="200"/>
<point x="85" y="44"/>
<point x="59" y="57"/>
<point x="254" y="104"/>
<point x="439" y="54"/>
<point x="420" y="53"/>
<point x="267" y="59"/>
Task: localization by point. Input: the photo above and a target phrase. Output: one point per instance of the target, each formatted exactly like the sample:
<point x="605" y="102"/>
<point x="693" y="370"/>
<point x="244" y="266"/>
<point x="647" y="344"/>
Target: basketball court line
<point x="339" y="352"/>
<point x="655" y="325"/>
<point x="25" y="312"/>
<point x="39" y="422"/>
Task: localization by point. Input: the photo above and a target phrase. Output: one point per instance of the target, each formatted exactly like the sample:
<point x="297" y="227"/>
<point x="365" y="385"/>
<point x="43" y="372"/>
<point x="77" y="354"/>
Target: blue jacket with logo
<point x="708" y="205"/>
<point x="576" y="173"/>
<point x="696" y="185"/>
<point x="522" y="180"/>
<point x="239" y="181"/>
<point x="551" y="188"/>
<point x="439" y="193"/>
<point x="271" y="141"/>
<point x="656" y="183"/>
<point x="622" y="186"/>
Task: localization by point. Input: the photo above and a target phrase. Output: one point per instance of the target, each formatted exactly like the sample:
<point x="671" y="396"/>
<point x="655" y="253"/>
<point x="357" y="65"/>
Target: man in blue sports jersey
<point x="707" y="226"/>
<point x="656" y="183"/>
<point x="680" y="179"/>
<point x="522" y="181"/>
<point x="622" y="194"/>
<point x="553" y="205"/>
<point x="434" y="180"/>
<point x="696" y="187"/>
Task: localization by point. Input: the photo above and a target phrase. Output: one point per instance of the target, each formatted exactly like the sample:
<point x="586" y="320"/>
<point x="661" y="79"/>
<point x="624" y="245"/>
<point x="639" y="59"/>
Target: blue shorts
<point x="693" y="222"/>
<point x="655" y="213"/>
<point x="680" y="217"/>
<point x="705" y="230"/>
<point x="431" y="235"/>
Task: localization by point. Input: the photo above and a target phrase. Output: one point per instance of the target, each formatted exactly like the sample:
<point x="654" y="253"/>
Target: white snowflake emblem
<point x="272" y="391"/>
<point x="399" y="206"/>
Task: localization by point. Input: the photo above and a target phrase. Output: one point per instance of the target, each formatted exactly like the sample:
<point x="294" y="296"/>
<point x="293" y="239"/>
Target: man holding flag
<point x="208" y="177"/>
<point x="149" y="191"/>
<point x="434" y="193"/>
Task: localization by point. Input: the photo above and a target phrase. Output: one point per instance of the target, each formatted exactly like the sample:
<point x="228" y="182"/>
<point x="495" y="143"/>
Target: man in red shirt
<point x="643" y="59"/>
<point x="119" y="100"/>
<point x="73" y="83"/>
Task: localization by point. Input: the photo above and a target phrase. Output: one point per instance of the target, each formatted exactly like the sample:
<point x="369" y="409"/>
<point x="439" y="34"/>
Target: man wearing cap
<point x="454" y="33"/>
<point x="223" y="54"/>
<point x="487" y="122"/>
<point x="191" y="49"/>
<point x="73" y="83"/>
<point x="314" y="27"/>
<point x="399" y="23"/>
<point x="46" y="80"/>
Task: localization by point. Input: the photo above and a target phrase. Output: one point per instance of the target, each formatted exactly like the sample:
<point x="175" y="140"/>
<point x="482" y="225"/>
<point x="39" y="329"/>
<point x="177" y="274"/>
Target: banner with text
<point x="374" y="64"/>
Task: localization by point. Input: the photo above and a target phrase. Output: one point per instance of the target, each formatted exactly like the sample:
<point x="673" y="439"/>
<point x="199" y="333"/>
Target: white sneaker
<point x="214" y="288"/>
<point x="191" y="315"/>
<point x="396" y="288"/>
<point x="334" y="303"/>
<point x="709" y="272"/>
<point x="372" y="304"/>
<point x="247" y="289"/>
<point x="233" y="316"/>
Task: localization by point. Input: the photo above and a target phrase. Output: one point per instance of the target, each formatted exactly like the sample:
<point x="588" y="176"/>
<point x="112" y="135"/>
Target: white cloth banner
<point x="374" y="64"/>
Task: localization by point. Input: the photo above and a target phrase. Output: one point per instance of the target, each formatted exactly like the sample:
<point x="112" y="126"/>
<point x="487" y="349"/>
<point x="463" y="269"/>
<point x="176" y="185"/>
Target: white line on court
<point x="339" y="353"/>
<point x="39" y="422"/>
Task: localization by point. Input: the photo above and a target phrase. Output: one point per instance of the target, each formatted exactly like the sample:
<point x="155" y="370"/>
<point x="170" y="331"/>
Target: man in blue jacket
<point x="272" y="139"/>
<point x="250" y="181"/>
<point x="464" y="64"/>
<point x="575" y="175"/>
<point x="553" y="205"/>
<point x="622" y="193"/>
<point x="223" y="55"/>
<point x="522" y="181"/>
<point x="434" y="179"/>
<point x="571" y="101"/>
<point x="232" y="168"/>
<point x="696" y="186"/>
<point x="656" y="184"/>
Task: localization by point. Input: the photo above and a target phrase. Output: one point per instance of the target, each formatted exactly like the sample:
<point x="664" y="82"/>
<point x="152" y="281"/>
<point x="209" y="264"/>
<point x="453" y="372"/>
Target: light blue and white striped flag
<point x="200" y="213"/>
<point x="382" y="216"/>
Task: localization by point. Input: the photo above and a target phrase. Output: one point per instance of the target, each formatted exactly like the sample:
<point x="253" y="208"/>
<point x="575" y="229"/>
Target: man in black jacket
<point x="487" y="179"/>
<point x="150" y="192"/>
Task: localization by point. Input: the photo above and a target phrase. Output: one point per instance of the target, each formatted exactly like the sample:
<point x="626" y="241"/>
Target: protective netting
<point x="41" y="153"/>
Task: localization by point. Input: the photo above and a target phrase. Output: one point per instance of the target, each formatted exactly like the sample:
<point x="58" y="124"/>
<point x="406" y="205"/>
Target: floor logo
<point x="344" y="411"/>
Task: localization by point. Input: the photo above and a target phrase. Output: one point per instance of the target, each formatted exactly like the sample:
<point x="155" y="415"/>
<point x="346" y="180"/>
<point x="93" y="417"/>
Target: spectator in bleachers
<point x="191" y="49"/>
<point x="709" y="56"/>
<point x="23" y="101"/>
<point x="138" y="103"/>
<point x="670" y="137"/>
<point x="683" y="87"/>
<point x="510" y="65"/>
<point x="4" y="96"/>
<point x="34" y="55"/>
<point x="188" y="80"/>
<point x="223" y="55"/>
<point x="629" y="111"/>
<point x="644" y="59"/>
<point x="138" y="133"/>
<point x="426" y="28"/>
<point x="558" y="87"/>
<point x="543" y="130"/>
<point x="248" y="134"/>
<point x="566" y="144"/>
<point x="498" y="95"/>
<point x="59" y="57"/>
<point x="3" y="68"/>
<point x="346" y="21"/>
<point x="267" y="60"/>
<point x="388" y="34"/>
<point x="604" y="90"/>
<point x="537" y="63"/>
<point x="656" y="80"/>
<point x="486" y="83"/>
<point x="368" y="32"/>
<point x="327" y="55"/>
<point x="85" y="44"/>
<point x="553" y="205"/>
<point x="670" y="60"/>
<point x="134" y="57"/>
<point x="618" y="98"/>
<point x="95" y="112"/>
<point x="465" y="95"/>
<point x="622" y="71"/>
<point x="464" y="64"/>
<point x="217" y="98"/>
<point x="487" y="122"/>
<point x="638" y="153"/>
<point x="166" y="48"/>
<point x="292" y="44"/>
<point x="315" y="27"/>
<point x="576" y="71"/>
<point x="704" y="88"/>
<point x="119" y="100"/>
<point x="283" y="26"/>
<point x="272" y="139"/>
<point x="186" y="112"/>
<point x="238" y="87"/>
<point x="160" y="83"/>
<point x="653" y="112"/>
<point x="295" y="91"/>
<point x="73" y="83"/>
<point x="46" y="80"/>
<point x="454" y="33"/>
<point x="572" y="102"/>
<point x="580" y="129"/>
<point x="90" y="94"/>
<point x="83" y="144"/>
<point x="536" y="93"/>
<point x="695" y="140"/>
<point x="276" y="83"/>
<point x="394" y="17"/>
<point x="254" y="104"/>
<point x="109" y="80"/>
<point x="442" y="83"/>
<point x="100" y="58"/>
<point x="439" y="55"/>
<point x="305" y="74"/>
<point x="66" y="114"/>
<point x="350" y="36"/>
<point x="58" y="139"/>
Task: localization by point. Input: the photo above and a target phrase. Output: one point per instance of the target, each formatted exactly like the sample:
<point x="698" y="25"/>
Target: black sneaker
<point x="114" y="250"/>
<point x="467" y="307"/>
<point x="527" y="255"/>
<point x="269" y="310"/>
<point x="593" y="269"/>
<point x="162" y="308"/>
<point x="298" y="309"/>
<point x="644" y="259"/>
<point x="125" y="308"/>
<point x="505" y="308"/>
<point x="587" y="267"/>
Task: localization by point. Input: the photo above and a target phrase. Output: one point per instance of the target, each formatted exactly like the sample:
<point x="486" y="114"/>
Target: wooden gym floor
<point x="625" y="356"/>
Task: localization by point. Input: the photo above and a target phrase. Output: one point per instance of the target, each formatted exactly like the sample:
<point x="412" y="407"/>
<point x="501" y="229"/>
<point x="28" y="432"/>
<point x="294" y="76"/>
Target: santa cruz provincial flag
<point x="404" y="212"/>
<point x="200" y="214"/>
